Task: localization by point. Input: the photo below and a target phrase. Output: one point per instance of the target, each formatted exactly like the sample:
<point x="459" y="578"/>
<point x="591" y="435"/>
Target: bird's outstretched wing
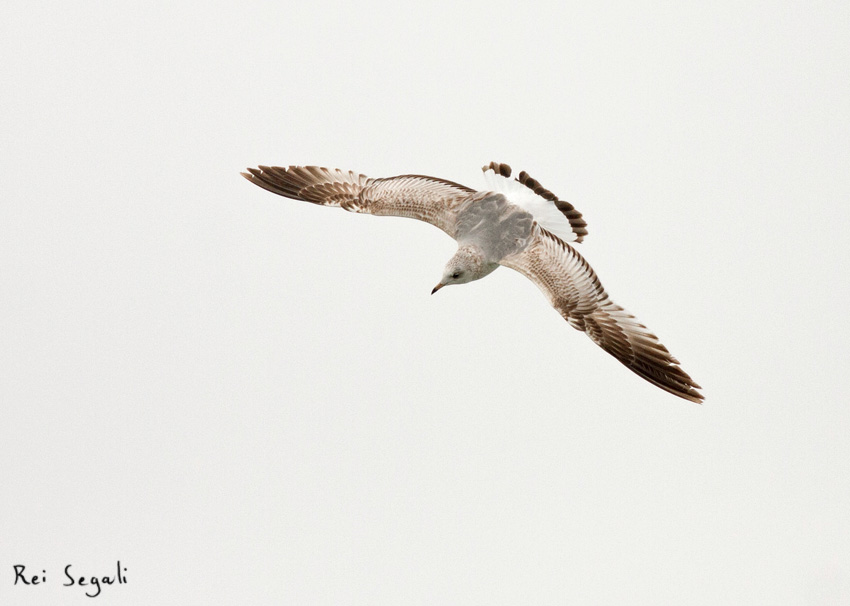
<point x="558" y="216"/>
<point x="428" y="199"/>
<point x="574" y="290"/>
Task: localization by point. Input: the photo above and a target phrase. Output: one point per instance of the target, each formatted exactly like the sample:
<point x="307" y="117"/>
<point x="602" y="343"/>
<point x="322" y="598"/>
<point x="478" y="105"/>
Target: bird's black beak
<point x="437" y="287"/>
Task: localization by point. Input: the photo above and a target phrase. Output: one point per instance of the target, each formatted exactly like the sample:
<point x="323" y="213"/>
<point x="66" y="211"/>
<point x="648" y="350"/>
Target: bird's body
<point x="515" y="223"/>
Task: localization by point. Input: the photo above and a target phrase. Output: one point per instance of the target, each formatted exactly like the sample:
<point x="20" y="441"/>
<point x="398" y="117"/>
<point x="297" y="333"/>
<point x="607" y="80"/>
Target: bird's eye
<point x="456" y="275"/>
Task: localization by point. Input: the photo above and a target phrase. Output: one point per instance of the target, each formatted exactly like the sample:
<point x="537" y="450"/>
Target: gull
<point x="516" y="223"/>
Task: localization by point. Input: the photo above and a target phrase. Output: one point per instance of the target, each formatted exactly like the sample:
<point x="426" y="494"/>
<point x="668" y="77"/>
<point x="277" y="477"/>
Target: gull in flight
<point x="514" y="222"/>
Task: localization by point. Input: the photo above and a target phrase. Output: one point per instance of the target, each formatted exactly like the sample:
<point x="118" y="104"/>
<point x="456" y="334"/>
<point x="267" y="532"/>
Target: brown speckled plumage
<point x="499" y="232"/>
<point x="575" y="291"/>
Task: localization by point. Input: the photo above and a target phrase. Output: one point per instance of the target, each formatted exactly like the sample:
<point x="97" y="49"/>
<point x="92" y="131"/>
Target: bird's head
<point x="467" y="264"/>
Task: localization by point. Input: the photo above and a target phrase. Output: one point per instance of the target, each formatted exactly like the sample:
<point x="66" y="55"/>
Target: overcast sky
<point x="247" y="399"/>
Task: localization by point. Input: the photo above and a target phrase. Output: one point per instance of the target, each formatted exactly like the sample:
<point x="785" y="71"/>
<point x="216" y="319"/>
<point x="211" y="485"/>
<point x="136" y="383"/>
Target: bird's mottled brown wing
<point x="573" y="289"/>
<point x="428" y="199"/>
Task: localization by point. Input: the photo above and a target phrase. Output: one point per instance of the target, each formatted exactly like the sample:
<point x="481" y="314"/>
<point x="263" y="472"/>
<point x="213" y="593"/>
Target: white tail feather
<point x="544" y="212"/>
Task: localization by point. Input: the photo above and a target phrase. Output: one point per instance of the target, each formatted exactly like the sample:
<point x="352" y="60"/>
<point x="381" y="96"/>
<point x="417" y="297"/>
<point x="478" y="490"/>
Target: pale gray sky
<point x="247" y="399"/>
